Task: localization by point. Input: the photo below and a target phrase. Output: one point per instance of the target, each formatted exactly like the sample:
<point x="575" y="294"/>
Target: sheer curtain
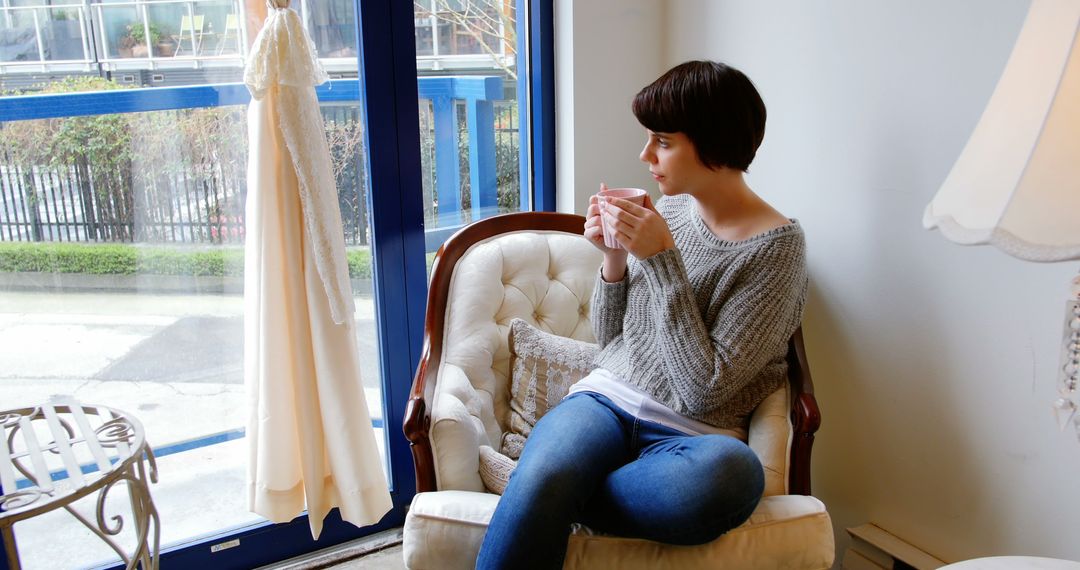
<point x="310" y="437"/>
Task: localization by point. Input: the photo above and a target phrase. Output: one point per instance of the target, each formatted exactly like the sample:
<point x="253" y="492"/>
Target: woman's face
<point x="673" y="163"/>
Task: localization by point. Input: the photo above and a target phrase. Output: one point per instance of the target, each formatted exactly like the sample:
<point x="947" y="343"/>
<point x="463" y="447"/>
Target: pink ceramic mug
<point x="635" y="195"/>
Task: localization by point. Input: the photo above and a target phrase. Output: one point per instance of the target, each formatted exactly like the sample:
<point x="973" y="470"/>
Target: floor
<point x="380" y="551"/>
<point x="386" y="559"/>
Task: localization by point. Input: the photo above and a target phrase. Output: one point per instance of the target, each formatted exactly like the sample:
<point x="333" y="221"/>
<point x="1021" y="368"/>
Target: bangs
<point x="657" y="108"/>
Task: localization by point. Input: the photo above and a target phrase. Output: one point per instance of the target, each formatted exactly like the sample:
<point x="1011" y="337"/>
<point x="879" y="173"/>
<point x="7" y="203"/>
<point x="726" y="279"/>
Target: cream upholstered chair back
<point x="545" y="278"/>
<point x="538" y="267"/>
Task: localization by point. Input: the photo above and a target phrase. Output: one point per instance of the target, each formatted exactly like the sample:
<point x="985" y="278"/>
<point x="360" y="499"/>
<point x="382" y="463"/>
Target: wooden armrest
<point x="805" y="415"/>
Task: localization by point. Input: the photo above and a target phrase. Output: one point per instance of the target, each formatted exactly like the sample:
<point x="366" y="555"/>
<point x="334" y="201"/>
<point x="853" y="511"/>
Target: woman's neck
<point x="731" y="210"/>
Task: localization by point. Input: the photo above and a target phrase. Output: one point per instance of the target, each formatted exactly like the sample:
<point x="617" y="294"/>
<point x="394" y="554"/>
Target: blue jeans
<point x="589" y="461"/>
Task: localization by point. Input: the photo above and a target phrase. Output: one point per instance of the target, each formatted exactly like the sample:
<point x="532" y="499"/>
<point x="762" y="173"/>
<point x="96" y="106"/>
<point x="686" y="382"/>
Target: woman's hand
<point x="594" y="230"/>
<point x="614" y="259"/>
<point x="640" y="229"/>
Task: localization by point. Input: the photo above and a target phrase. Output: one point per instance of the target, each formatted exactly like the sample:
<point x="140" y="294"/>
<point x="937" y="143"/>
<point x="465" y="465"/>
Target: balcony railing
<point x="40" y="35"/>
<point x="163" y="34"/>
<point x="42" y="203"/>
<point x="163" y="30"/>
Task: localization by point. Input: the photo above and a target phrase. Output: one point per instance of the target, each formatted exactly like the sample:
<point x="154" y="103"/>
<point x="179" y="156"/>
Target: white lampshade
<point x="1017" y="183"/>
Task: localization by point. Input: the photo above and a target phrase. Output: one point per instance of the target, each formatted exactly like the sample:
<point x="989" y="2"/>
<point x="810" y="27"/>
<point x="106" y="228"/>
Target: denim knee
<point x="736" y="493"/>
<point x="727" y="500"/>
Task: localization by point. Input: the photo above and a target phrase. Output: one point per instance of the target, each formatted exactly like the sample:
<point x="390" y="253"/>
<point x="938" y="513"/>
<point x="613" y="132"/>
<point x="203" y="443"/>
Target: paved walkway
<point x="174" y="361"/>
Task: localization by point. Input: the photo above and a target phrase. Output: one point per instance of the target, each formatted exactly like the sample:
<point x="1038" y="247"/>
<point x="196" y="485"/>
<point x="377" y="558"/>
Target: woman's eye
<point x="663" y="143"/>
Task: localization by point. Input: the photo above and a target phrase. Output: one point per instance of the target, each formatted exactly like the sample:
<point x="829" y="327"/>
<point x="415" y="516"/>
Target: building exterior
<point x="205" y="41"/>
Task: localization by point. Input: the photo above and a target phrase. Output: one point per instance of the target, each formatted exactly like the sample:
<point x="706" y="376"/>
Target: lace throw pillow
<point x="495" y="469"/>
<point x="542" y="368"/>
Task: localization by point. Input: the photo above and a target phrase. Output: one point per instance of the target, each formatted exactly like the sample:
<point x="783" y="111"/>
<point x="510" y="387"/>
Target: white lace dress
<point x="310" y="437"/>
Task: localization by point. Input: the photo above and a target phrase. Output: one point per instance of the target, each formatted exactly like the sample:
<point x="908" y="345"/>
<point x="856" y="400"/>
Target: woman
<point x="693" y="318"/>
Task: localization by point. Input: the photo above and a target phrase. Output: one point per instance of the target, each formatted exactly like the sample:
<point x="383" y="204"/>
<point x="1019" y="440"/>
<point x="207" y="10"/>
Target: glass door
<point x="472" y="149"/>
<point x="122" y="233"/>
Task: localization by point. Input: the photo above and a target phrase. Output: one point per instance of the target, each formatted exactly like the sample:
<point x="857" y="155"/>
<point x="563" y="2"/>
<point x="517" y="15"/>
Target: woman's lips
<point x="656" y="176"/>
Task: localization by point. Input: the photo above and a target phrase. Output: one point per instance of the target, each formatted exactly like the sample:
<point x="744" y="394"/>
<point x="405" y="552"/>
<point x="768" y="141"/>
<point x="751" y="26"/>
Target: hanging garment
<point x="311" y="441"/>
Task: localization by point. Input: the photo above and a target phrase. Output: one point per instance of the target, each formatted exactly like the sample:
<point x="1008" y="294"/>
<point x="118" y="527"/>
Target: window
<point x="121" y="237"/>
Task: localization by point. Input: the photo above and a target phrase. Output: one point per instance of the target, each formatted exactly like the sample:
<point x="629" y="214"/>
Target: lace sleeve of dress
<point x="283" y="59"/>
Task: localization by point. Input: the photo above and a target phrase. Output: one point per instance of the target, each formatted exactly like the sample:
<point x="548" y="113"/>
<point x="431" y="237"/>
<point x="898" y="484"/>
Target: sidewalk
<point x="175" y="363"/>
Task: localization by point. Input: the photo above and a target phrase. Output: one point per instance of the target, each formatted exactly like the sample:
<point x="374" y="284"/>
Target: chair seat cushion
<point x="444" y="530"/>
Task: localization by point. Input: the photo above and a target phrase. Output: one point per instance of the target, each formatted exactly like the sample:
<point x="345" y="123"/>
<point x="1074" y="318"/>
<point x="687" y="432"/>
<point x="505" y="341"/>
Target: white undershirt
<point x="642" y="406"/>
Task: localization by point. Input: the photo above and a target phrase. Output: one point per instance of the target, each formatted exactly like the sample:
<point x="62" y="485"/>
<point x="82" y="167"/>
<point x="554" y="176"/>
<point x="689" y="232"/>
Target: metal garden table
<point x="65" y="451"/>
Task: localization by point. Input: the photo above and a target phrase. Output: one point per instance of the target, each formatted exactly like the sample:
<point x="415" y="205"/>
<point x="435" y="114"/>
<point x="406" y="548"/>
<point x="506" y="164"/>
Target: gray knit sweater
<point x="703" y="327"/>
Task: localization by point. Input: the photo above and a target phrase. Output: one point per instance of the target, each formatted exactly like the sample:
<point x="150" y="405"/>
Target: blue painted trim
<point x="521" y="46"/>
<point x="393" y="136"/>
<point x="165" y="451"/>
<point x="159" y="452"/>
<point x="55" y="105"/>
<point x="199" y="442"/>
<point x="447" y="165"/>
<point x="58" y="105"/>
<point x="480" y="119"/>
<point x="542" y="104"/>
<point x="465" y="87"/>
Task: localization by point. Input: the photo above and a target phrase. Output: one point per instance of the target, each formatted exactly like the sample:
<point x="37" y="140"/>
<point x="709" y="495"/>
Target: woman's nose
<point x="646" y="155"/>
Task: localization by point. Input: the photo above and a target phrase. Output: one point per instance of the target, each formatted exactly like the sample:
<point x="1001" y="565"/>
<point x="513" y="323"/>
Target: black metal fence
<point x="179" y="176"/>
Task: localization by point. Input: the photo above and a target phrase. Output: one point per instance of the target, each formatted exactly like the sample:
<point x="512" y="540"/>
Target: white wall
<point x="934" y="363"/>
<point x="606" y="51"/>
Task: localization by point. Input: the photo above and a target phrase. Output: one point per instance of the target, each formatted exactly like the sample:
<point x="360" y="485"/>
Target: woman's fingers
<point x="641" y="230"/>
<point x="630" y="207"/>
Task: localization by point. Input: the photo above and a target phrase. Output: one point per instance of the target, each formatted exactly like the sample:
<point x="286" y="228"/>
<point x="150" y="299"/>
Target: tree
<point x="483" y="20"/>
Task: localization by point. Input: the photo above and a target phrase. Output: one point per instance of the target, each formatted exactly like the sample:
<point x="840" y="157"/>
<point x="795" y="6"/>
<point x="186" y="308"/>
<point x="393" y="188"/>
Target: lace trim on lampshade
<point x="1001" y="239"/>
<point x="284" y="57"/>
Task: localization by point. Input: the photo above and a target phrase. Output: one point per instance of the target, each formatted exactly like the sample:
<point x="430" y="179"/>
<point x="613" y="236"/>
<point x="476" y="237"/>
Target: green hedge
<point x="125" y="259"/>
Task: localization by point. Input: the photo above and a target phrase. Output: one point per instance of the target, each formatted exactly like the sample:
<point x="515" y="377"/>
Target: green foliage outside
<point x="138" y="33"/>
<point x="179" y="176"/>
<point x="126" y="259"/>
<point x="98" y="148"/>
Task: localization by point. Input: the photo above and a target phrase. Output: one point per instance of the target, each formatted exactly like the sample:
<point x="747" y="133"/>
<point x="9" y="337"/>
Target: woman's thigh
<point x="570" y="451"/>
<point x="680" y="490"/>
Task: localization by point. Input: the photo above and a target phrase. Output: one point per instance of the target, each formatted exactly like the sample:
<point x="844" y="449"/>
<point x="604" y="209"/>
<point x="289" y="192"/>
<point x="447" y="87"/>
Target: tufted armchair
<point x="538" y="267"/>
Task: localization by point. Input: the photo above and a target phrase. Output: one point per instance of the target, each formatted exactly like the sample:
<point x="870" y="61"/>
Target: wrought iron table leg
<point x="10" y="549"/>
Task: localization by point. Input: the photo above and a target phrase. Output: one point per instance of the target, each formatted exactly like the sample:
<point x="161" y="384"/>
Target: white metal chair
<point x="191" y="28"/>
<point x="232" y="27"/>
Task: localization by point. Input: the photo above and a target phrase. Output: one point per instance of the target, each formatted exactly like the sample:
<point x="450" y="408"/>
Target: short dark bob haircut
<point x="713" y="104"/>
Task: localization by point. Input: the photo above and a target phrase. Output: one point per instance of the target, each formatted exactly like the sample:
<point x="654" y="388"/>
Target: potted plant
<point x="166" y="46"/>
<point x="137" y="35"/>
<point x="126" y="44"/>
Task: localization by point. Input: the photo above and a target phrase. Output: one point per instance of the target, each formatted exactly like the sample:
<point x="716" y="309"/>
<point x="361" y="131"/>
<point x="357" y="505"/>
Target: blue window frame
<point x="389" y="80"/>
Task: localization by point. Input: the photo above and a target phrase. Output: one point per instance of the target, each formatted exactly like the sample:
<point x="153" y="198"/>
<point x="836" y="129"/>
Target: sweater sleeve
<point x="710" y="367"/>
<point x="608" y="308"/>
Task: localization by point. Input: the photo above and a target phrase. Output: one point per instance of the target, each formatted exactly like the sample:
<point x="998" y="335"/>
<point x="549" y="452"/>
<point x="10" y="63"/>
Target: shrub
<point x="126" y="259"/>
